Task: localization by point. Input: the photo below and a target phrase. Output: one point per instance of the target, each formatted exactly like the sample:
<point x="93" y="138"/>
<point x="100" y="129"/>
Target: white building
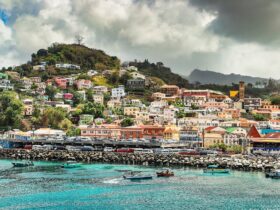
<point x="118" y="92"/>
<point x="67" y="66"/>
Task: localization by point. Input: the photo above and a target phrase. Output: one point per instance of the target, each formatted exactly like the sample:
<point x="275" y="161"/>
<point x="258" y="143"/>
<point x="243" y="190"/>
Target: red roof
<point x="272" y="135"/>
<point x="209" y="128"/>
<point x="253" y="132"/>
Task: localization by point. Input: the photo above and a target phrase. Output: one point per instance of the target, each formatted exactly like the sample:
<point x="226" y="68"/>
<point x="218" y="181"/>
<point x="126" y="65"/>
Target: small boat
<point x="275" y="174"/>
<point x="71" y="164"/>
<point x="216" y="169"/>
<point x="23" y="164"/>
<point x="136" y="176"/>
<point x="165" y="173"/>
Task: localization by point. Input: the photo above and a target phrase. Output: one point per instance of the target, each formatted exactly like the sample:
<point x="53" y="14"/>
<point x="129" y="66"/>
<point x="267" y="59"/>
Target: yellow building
<point x="98" y="98"/>
<point x="171" y="132"/>
<point x="212" y="139"/>
<point x="131" y="111"/>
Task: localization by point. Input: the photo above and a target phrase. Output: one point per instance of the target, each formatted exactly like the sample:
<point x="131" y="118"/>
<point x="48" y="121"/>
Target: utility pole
<point x="79" y="39"/>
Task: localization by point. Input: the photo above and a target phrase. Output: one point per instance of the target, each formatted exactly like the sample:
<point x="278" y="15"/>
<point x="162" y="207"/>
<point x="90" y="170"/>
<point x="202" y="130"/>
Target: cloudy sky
<point x="225" y="36"/>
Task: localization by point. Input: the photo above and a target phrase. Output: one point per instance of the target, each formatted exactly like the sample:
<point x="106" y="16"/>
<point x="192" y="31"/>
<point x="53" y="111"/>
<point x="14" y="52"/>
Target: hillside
<point x="160" y="71"/>
<point x="76" y="54"/>
<point x="211" y="77"/>
<point x="88" y="58"/>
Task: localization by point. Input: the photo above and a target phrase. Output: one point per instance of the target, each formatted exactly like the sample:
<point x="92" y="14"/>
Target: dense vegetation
<point x="11" y="109"/>
<point x="160" y="71"/>
<point x="81" y="55"/>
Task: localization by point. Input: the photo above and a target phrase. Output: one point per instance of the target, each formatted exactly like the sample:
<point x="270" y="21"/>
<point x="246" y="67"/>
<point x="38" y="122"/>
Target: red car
<point x="126" y="150"/>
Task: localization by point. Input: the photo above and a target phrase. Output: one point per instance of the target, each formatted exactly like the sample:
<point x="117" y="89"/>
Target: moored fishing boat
<point x="71" y="164"/>
<point x="23" y="164"/>
<point x="216" y="169"/>
<point x="275" y="174"/>
<point x="136" y="176"/>
<point x="165" y="173"/>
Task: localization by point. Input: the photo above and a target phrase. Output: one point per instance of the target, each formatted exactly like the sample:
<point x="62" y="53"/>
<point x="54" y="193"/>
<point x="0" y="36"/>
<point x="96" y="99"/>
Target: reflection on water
<point x="101" y="186"/>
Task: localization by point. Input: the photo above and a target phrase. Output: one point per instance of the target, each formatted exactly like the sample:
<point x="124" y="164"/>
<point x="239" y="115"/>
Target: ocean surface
<point x="101" y="186"/>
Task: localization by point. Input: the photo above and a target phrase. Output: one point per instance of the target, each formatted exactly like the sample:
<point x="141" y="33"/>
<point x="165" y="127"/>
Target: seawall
<point x="239" y="162"/>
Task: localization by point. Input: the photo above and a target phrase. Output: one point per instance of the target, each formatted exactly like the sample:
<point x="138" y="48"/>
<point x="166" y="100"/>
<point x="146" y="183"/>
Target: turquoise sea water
<point x="100" y="186"/>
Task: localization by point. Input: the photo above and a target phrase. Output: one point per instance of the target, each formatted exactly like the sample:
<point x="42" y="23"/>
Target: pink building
<point x="61" y="82"/>
<point x="68" y="96"/>
<point x="83" y="84"/>
<point x="103" y="131"/>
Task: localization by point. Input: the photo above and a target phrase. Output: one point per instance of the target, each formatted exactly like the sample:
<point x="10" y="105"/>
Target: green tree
<point x="235" y="148"/>
<point x="73" y="131"/>
<point x="259" y="117"/>
<point x="275" y="100"/>
<point x="84" y="76"/>
<point x="51" y="91"/>
<point x="127" y="122"/>
<point x="123" y="79"/>
<point x="53" y="117"/>
<point x="180" y="114"/>
<point x="65" y="124"/>
<point x="11" y="109"/>
<point x="34" y="86"/>
<point x="194" y="107"/>
<point x="94" y="109"/>
<point x="89" y="94"/>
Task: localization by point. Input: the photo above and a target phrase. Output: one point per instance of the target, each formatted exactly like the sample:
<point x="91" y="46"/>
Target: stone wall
<point x="250" y="163"/>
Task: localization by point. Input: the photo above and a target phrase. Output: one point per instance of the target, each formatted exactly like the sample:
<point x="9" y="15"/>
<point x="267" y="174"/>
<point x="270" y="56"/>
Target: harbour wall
<point x="239" y="162"/>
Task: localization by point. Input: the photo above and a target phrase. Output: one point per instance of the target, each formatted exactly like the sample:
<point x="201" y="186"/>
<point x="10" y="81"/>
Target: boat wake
<point x="112" y="181"/>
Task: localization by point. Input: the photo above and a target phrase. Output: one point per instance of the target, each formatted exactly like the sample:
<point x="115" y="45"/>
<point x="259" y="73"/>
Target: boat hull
<point x="20" y="165"/>
<point x="272" y="176"/>
<point x="134" y="178"/>
<point x="216" y="171"/>
<point x="71" y="166"/>
<point x="165" y="175"/>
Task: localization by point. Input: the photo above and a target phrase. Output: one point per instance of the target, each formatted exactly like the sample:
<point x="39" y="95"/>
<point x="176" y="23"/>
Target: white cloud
<point x="172" y="31"/>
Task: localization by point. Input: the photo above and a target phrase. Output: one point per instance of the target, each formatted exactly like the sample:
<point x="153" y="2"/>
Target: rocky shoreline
<point x="238" y="162"/>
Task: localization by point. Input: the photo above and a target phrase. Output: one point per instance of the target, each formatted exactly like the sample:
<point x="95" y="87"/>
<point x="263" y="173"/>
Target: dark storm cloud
<point x="244" y="20"/>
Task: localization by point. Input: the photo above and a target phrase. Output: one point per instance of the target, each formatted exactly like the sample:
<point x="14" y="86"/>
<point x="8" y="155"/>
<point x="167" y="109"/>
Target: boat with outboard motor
<point x="71" y="164"/>
<point x="134" y="176"/>
<point x="274" y="174"/>
<point x="216" y="169"/>
<point x="23" y="164"/>
<point x="165" y="173"/>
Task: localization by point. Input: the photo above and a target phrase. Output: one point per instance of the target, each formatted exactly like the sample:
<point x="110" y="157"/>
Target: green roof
<point x="230" y="130"/>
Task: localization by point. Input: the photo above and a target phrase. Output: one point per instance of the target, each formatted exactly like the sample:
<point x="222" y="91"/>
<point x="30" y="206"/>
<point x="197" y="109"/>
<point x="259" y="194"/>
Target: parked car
<point x="108" y="149"/>
<point x="47" y="147"/>
<point x="84" y="138"/>
<point x="37" y="147"/>
<point x="27" y="146"/>
<point x="87" y="148"/>
<point x="126" y="150"/>
<point x="73" y="148"/>
<point x="59" y="147"/>
<point x="98" y="148"/>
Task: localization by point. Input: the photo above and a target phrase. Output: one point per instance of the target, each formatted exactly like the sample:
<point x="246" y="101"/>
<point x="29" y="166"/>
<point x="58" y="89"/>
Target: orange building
<point x="152" y="131"/>
<point x="132" y="132"/>
<point x="170" y="90"/>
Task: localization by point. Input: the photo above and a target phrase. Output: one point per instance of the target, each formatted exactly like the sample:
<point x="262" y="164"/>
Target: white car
<point x="72" y="148"/>
<point x="108" y="149"/>
<point x="47" y="147"/>
<point x="37" y="147"/>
